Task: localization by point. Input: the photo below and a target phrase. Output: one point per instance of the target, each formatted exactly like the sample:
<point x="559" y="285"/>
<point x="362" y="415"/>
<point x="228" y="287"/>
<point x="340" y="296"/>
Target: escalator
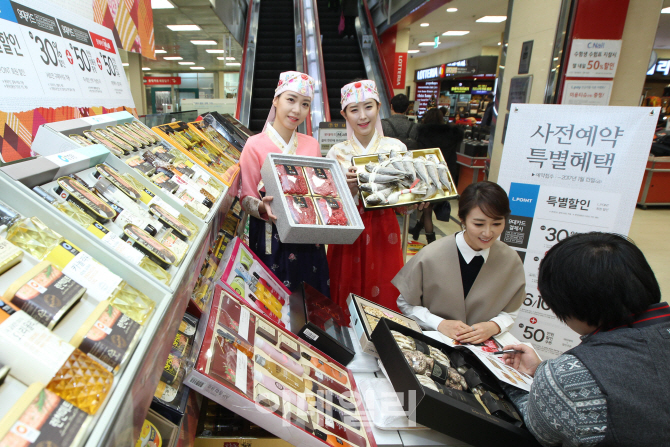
<point x="342" y="58"/>
<point x="275" y="53"/>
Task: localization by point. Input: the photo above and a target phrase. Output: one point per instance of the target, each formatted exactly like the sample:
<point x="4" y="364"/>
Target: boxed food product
<point x="249" y="280"/>
<point x="305" y="399"/>
<point x="311" y="200"/>
<point x="403" y="178"/>
<point x="439" y="383"/>
<point x="365" y="316"/>
<point x="318" y="320"/>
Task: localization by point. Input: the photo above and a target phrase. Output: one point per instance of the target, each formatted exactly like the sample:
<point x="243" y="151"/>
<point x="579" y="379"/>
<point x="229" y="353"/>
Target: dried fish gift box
<point x="403" y="178"/>
<point x="311" y="200"/>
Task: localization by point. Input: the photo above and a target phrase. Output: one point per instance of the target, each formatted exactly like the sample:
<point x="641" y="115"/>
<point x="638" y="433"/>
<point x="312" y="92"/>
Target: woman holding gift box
<point x="367" y="266"/>
<point x="291" y="263"/>
<point x="468" y="286"/>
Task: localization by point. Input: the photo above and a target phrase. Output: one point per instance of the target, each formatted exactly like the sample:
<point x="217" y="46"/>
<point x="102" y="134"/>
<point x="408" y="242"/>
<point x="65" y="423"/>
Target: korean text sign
<point x="568" y="169"/>
<point x="54" y="65"/>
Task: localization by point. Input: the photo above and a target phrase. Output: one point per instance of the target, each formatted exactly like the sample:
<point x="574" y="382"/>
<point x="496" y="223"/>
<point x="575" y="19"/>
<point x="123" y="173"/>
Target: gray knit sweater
<point x="401" y="124"/>
<point x="565" y="406"/>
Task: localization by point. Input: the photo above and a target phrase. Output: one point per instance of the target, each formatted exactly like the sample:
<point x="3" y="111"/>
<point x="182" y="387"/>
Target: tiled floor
<point x="648" y="231"/>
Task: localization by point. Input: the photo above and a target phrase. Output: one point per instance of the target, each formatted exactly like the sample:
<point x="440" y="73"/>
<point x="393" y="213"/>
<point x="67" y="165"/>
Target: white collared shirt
<point x="429" y="321"/>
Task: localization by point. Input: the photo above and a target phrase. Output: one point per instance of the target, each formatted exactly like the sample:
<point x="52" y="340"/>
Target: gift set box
<point x="466" y="411"/>
<point x="405" y="179"/>
<point x="322" y="323"/>
<point x="365" y="316"/>
<point x="275" y="380"/>
<point x="311" y="200"/>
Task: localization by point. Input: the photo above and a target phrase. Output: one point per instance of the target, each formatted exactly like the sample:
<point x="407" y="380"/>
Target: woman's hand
<point x="453" y="328"/>
<point x="265" y="208"/>
<point x="425" y="206"/>
<point x="525" y="359"/>
<point x="480" y="333"/>
<point x="352" y="180"/>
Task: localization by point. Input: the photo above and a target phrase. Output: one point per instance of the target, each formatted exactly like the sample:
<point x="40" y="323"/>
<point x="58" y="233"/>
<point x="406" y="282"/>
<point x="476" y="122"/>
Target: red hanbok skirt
<point x="367" y="266"/>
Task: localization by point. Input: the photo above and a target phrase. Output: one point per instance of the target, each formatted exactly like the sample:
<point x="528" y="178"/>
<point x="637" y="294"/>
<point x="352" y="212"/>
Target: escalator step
<point x="281" y="66"/>
<point x="275" y="50"/>
<point x="263" y="92"/>
<point x="256" y="125"/>
<point x="276" y="57"/>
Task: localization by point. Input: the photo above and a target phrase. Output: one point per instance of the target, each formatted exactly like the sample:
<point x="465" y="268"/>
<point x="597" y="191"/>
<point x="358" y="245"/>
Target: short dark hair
<point x="602" y="279"/>
<point x="444" y="111"/>
<point x="400" y="103"/>
<point x="432" y="116"/>
<point x="488" y="196"/>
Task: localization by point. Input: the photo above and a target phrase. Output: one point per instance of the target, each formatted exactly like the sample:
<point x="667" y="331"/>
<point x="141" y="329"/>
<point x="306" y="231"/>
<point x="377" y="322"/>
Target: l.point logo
<point x="69" y="57"/>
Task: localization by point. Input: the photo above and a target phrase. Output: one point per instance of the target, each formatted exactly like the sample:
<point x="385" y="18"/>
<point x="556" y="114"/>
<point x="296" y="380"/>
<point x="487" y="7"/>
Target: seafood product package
<point x="389" y="179"/>
<point x="454" y="383"/>
<point x="311" y="200"/>
<point x="365" y="316"/>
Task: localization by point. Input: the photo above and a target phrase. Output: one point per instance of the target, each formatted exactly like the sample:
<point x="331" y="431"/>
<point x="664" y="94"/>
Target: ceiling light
<point x="491" y="19"/>
<point x="197" y="68"/>
<point x="665" y="11"/>
<point x="146" y="68"/>
<point x="221" y="58"/>
<point x="229" y="58"/>
<point x="413" y="51"/>
<point x="186" y="63"/>
<point x="204" y="42"/>
<point x="499" y="43"/>
<point x="428" y="44"/>
<point x="211" y="50"/>
<point x="160" y="51"/>
<point x="425" y="24"/>
<point x="161" y="4"/>
<point x="455" y="33"/>
<point x="173" y="58"/>
<point x="184" y="27"/>
<point x="452" y="9"/>
<point x="233" y="64"/>
<point x="125" y="64"/>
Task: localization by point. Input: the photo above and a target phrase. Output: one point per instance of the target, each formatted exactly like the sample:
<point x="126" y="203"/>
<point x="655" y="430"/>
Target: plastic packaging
<point x="331" y="211"/>
<point x="292" y="179"/>
<point x="302" y="210"/>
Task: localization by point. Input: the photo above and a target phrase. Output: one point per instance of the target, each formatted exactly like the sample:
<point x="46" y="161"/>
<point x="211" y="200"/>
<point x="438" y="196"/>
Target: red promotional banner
<point x="399" y="70"/>
<point x="103" y="43"/>
<point x="162" y="80"/>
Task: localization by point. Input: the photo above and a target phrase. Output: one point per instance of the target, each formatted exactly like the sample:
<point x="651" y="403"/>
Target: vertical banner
<point x="399" y="70"/>
<point x="568" y="169"/>
<point x="54" y="66"/>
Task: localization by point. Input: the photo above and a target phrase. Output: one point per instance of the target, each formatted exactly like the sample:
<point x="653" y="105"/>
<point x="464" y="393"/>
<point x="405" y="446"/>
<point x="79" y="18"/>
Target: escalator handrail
<point x="388" y="83"/>
<point x="240" y="84"/>
<point x="324" y="88"/>
<point x="307" y="124"/>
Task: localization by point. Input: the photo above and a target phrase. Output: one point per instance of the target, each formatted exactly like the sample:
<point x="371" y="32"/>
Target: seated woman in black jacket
<point x="433" y="132"/>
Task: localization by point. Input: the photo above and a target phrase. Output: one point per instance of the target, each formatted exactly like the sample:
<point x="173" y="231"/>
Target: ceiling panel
<point x="464" y="19"/>
<point x="178" y="43"/>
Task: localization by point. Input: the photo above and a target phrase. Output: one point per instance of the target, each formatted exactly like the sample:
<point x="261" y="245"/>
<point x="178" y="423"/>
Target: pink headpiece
<point x="291" y="81"/>
<point x="361" y="91"/>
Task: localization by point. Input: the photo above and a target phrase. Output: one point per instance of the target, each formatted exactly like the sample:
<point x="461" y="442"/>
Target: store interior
<point x="138" y="309"/>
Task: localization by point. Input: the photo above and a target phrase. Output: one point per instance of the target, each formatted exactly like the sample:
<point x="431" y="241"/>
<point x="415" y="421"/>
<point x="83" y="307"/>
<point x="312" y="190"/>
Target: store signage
<point x="460" y="89"/>
<point x="428" y="73"/>
<point x="162" y="80"/>
<point x="462" y="63"/>
<point x="400" y="68"/>
<point x="54" y="65"/>
<point x="568" y="169"/>
<point x="331" y="134"/>
<point x="425" y="93"/>
<point x="482" y="89"/>
<point x="588" y="93"/>
<point x="593" y="58"/>
<point x="662" y="67"/>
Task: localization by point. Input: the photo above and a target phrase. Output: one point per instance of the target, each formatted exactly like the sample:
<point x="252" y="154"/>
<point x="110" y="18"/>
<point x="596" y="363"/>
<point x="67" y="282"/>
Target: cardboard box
<point x="289" y="231"/>
<point x="406" y="199"/>
<point x="169" y="431"/>
<point x="240" y="442"/>
<point x="248" y="382"/>
<point x="318" y="320"/>
<point x="363" y="323"/>
<point x="457" y="414"/>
